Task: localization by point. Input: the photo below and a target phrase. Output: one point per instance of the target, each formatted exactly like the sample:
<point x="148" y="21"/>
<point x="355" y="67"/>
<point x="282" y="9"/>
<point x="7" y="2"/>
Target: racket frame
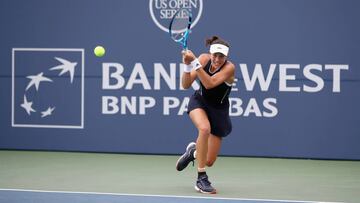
<point x="183" y="39"/>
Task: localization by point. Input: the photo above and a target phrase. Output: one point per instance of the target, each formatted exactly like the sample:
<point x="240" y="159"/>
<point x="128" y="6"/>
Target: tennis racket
<point x="179" y="28"/>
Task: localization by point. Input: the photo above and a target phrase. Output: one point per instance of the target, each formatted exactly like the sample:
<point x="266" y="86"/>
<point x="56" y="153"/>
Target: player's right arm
<point x="189" y="77"/>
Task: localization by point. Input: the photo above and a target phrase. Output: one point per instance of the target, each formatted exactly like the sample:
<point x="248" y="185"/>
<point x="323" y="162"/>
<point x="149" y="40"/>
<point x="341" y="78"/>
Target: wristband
<point x="187" y="68"/>
<point x="196" y="64"/>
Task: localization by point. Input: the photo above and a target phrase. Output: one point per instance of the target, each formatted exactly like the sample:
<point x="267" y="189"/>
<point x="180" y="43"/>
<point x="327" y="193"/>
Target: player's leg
<point x="214" y="145"/>
<point x="201" y="122"/>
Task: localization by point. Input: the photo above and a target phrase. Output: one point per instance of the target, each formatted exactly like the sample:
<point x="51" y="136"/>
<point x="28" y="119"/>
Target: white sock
<point x="194" y="154"/>
<point x="201" y="169"/>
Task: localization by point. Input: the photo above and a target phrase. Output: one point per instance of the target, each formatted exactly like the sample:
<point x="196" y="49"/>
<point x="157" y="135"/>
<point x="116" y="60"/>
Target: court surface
<point x="32" y="176"/>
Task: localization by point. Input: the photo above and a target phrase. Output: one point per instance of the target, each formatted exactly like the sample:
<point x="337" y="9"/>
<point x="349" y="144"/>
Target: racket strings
<point x="180" y="24"/>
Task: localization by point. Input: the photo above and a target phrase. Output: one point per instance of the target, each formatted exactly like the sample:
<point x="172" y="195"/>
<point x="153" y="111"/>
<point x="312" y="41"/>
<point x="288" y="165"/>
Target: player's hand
<point x="188" y="56"/>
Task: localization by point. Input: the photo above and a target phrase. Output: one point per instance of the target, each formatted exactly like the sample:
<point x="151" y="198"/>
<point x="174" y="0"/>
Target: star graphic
<point x="66" y="66"/>
<point x="48" y="112"/>
<point x="36" y="79"/>
<point x="27" y="106"/>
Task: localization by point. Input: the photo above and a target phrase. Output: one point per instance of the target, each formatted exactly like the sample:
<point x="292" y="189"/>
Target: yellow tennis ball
<point x="99" y="51"/>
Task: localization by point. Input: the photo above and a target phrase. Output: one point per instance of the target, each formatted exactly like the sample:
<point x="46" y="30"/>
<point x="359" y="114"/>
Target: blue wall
<point x="307" y="51"/>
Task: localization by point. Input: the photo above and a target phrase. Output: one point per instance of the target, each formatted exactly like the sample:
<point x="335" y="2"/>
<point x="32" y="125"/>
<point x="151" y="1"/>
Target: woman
<point x="208" y="107"/>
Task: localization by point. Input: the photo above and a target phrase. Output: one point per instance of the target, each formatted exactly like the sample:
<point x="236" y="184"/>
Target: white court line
<point x="168" y="196"/>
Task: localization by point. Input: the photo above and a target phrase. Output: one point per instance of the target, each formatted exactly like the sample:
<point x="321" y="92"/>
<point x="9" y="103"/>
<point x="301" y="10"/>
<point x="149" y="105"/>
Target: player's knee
<point x="210" y="162"/>
<point x="204" y="130"/>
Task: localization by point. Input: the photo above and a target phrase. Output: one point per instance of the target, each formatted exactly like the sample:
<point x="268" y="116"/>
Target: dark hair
<point x="216" y="40"/>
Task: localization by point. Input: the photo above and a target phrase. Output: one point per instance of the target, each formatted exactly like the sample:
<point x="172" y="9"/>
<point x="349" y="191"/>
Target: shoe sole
<point x="204" y="192"/>
<point x="187" y="148"/>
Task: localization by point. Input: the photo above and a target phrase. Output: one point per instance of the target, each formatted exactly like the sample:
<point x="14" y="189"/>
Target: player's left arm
<point x="226" y="74"/>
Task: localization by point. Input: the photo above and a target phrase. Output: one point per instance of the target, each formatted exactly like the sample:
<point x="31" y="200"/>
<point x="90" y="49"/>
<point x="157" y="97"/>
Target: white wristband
<point x="196" y="64"/>
<point x="187" y="68"/>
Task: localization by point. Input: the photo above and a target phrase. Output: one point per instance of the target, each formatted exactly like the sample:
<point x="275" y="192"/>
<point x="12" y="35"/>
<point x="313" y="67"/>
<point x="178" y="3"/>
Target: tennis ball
<point x="99" y="51"/>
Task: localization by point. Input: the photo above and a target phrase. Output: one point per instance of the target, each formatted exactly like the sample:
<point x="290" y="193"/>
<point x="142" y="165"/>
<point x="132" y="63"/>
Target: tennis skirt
<point x="218" y="115"/>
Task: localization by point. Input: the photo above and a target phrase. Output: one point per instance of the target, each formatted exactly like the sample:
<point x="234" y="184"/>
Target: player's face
<point x="218" y="59"/>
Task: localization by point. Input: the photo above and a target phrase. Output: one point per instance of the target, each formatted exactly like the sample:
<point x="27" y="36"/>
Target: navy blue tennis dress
<point x="215" y="102"/>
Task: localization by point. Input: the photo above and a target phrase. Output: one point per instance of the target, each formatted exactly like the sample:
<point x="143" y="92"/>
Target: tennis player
<point x="208" y="107"/>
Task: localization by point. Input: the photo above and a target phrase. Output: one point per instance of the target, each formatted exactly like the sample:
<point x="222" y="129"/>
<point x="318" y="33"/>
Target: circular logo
<point x="51" y="96"/>
<point x="162" y="11"/>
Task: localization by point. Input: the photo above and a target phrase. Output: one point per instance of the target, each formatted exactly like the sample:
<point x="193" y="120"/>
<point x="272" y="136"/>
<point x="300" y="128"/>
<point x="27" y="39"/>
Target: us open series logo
<point x="162" y="11"/>
<point x="47" y="88"/>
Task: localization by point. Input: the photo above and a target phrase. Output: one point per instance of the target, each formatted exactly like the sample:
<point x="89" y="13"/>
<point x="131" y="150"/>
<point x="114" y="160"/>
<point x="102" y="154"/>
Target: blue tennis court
<point x="19" y="196"/>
